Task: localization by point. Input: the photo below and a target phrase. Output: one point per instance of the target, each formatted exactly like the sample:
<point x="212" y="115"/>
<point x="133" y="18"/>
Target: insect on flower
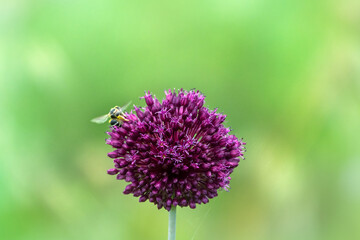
<point x="116" y="116"/>
<point x="175" y="151"/>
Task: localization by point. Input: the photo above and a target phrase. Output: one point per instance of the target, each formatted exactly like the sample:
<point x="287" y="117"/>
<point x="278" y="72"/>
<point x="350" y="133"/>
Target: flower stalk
<point x="172" y="223"/>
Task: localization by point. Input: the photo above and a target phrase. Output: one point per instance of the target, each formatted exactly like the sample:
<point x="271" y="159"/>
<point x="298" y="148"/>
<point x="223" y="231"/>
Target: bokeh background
<point x="286" y="73"/>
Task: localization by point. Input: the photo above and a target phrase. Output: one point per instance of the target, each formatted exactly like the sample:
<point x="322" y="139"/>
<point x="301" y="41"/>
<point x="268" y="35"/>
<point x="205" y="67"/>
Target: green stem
<point x="172" y="223"/>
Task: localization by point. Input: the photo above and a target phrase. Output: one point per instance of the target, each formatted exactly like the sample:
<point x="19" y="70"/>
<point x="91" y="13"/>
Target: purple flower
<point x="176" y="152"/>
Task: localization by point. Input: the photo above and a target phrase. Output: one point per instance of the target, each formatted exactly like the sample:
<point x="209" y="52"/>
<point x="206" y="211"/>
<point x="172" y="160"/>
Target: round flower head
<point x="176" y="152"/>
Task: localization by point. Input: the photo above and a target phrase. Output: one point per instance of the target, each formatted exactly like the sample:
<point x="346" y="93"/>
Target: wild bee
<point x="116" y="116"/>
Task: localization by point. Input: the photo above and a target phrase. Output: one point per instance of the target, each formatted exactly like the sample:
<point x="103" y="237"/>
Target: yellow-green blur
<point x="286" y="74"/>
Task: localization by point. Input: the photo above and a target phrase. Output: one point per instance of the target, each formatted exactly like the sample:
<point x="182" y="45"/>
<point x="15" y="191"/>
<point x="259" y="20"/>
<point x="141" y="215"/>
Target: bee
<point x="116" y="116"/>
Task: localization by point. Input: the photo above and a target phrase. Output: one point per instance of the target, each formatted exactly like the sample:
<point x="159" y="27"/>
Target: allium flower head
<point x="176" y="152"/>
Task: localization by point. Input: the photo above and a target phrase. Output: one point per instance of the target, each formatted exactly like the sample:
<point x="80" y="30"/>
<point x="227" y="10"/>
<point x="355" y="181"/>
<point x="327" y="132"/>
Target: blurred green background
<point x="286" y="73"/>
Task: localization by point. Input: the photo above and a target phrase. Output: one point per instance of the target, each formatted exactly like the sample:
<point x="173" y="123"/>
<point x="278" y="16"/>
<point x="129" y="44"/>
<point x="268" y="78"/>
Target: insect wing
<point x="101" y="119"/>
<point x="122" y="109"/>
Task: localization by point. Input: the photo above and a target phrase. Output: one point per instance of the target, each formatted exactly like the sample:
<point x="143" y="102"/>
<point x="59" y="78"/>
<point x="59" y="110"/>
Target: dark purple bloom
<point x="176" y="152"/>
